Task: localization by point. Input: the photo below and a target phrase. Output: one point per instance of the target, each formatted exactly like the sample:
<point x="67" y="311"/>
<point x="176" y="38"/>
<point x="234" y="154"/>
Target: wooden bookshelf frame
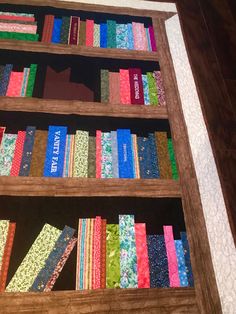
<point x="203" y="298"/>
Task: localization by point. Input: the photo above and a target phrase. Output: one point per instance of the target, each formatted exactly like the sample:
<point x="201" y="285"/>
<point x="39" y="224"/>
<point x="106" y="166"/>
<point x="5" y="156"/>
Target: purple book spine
<point x="152" y="38"/>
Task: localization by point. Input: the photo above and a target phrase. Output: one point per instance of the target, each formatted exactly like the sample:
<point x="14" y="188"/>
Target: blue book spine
<point x="187" y="258"/>
<point x="148" y="39"/>
<point x="125" y="160"/>
<point x="153" y="260"/>
<point x="5" y="79"/>
<point x="115" y="169"/>
<point x="145" y="89"/>
<point x="122" y="40"/>
<point x="103" y="35"/>
<point x="181" y="263"/>
<point x="56" y="33"/>
<point x="162" y="263"/>
<point x="55" y="153"/>
<point x="130" y="37"/>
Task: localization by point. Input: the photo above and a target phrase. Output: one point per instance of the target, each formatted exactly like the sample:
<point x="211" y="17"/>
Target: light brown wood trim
<point x="204" y="277"/>
<point x="158" y="301"/>
<point x="32" y="186"/>
<point x="81" y="108"/>
<point x="92" y="8"/>
<point x="20" y="45"/>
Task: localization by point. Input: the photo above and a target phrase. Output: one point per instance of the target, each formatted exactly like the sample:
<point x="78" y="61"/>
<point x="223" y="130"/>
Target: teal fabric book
<point x="111" y="34"/>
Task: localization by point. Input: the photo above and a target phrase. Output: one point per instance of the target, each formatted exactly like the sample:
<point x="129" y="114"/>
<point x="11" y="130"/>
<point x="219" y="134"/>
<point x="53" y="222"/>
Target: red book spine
<point x="98" y="154"/>
<point x="2" y="131"/>
<point x="17" y="18"/>
<point x="16" y="162"/>
<point x="48" y="28"/>
<point x="74" y="30"/>
<point x="136" y="86"/>
<point x="89" y="33"/>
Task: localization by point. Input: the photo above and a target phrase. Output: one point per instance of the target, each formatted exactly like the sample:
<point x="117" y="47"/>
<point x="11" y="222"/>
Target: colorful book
<point x="55" y="152"/>
<point x="152" y="89"/>
<point x="111" y="34"/>
<point x="80" y="167"/>
<point x="114" y="151"/>
<point x="72" y="151"/>
<point x="152" y="38"/>
<point x="163" y="155"/>
<point x="104" y="86"/>
<point x="82" y="33"/>
<point x="160" y="88"/>
<point x="27" y="151"/>
<point x="87" y="254"/>
<point x="74" y="30"/>
<point x="153" y="260"/>
<point x="135" y="156"/>
<point x="65" y="29"/>
<point x="89" y="33"/>
<point x="122" y="39"/>
<point x="98" y="154"/>
<point x="2" y="131"/>
<point x="136" y="86"/>
<point x="18" y="153"/>
<point x="162" y="279"/>
<point x="175" y="174"/>
<point x="31" y="80"/>
<point x="96" y="35"/>
<point x="112" y="256"/>
<point x="81" y="249"/>
<point x="125" y="91"/>
<point x="91" y="261"/>
<point x="114" y="88"/>
<point x="181" y="263"/>
<point x="26" y="73"/>
<point x="48" y="28"/>
<point x="92" y="157"/>
<point x="145" y="89"/>
<point x="103" y="35"/>
<point x="148" y="39"/>
<point x="19" y="36"/>
<point x="187" y="258"/>
<point x="97" y="253"/>
<point x="67" y="156"/>
<point x="124" y="141"/>
<point x="38" y="154"/>
<point x="103" y="254"/>
<point x="130" y="36"/>
<point x="15" y="84"/>
<point x="16" y="17"/>
<point x="56" y="32"/>
<point x="106" y="145"/>
<point x="18" y="28"/>
<point x="140" y="40"/>
<point x="7" y="153"/>
<point x="5" y="79"/>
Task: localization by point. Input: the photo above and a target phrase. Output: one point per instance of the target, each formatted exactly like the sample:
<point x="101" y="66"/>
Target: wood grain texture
<point x="81" y="108"/>
<point x="78" y="50"/>
<point x="88" y="187"/>
<point x="158" y="301"/>
<point x="204" y="278"/>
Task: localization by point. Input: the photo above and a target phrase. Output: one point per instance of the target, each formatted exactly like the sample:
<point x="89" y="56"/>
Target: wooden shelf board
<point x="81" y="108"/>
<point x="115" y="53"/>
<point x="42" y="186"/>
<point x="160" y="300"/>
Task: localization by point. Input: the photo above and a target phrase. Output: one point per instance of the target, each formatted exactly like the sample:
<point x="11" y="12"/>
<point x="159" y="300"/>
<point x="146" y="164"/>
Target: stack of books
<point x="115" y="154"/>
<point x="17" y="83"/>
<point x="131" y="86"/>
<point x="72" y="30"/>
<point x="124" y="256"/>
<point x="19" y="26"/>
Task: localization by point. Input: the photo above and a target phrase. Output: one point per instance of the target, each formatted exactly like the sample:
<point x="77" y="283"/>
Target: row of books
<point x="17" y="83"/>
<point x="108" y="256"/>
<point x="115" y="154"/>
<point x="130" y="86"/>
<point x="72" y="30"/>
<point x="19" y="26"/>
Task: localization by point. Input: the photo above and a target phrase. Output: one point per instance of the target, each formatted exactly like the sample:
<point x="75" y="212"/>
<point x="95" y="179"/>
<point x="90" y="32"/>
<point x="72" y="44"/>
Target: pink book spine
<point x="77" y="281"/>
<point x="18" y="28"/>
<point x="17" y="18"/>
<point x="142" y="256"/>
<point x="124" y="87"/>
<point x="98" y="154"/>
<point x="139" y="36"/>
<point x="97" y="253"/>
<point x="144" y="38"/>
<point x="15" y="84"/>
<point x="16" y="162"/>
<point x="89" y="33"/>
<point x="171" y="256"/>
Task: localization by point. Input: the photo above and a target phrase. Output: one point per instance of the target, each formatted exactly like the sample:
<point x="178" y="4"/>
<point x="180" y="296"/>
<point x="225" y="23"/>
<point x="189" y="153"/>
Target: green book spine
<point x="19" y="36"/>
<point x="152" y="89"/>
<point x="92" y="157"/>
<point x="65" y="29"/>
<point x="31" y="80"/>
<point x="80" y="168"/>
<point x="104" y="85"/>
<point x="82" y="33"/>
<point x="112" y="256"/>
<point x="111" y="34"/>
<point x="175" y="174"/>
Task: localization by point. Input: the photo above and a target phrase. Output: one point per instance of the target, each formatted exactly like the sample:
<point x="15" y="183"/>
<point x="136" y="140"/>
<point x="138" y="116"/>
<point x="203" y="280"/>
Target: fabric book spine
<point x="106" y="171"/>
<point x="114" y="150"/>
<point x="153" y="155"/>
<point x="45" y="28"/>
<point x="105" y="86"/>
<point x="6" y="153"/>
<point x="152" y="89"/>
<point x="140" y="40"/>
<point x="171" y="256"/>
<point x="89" y="33"/>
<point x="74" y="30"/>
<point x="87" y="255"/>
<point x="98" y="154"/>
<point x="56" y="32"/>
<point x="103" y="35"/>
<point x="144" y="37"/>
<point x="90" y="274"/>
<point x="16" y="162"/>
<point x="5" y="79"/>
<point x="135" y="156"/>
<point x="18" y="28"/>
<point x="152" y="38"/>
<point x="25" y="81"/>
<point x="148" y="40"/>
<point x="15" y="84"/>
<point x="96" y="35"/>
<point x="48" y="28"/>
<point x="136" y="86"/>
<point x="130" y="37"/>
<point x="4" y="227"/>
<point x="2" y="67"/>
<point x="181" y="263"/>
<point x="55" y="152"/>
<point x="175" y="174"/>
<point x="38" y="154"/>
<point x="19" y="22"/>
<point x="124" y="141"/>
<point x="111" y="34"/>
<point x="114" y="87"/>
<point x="97" y="253"/>
<point x="34" y="260"/>
<point x="2" y="131"/>
<point x="162" y="265"/>
<point x="65" y="28"/>
<point x="19" y="36"/>
<point x="153" y="260"/>
<point x="27" y="151"/>
<point x="160" y="88"/>
<point x="103" y="254"/>
<point x="82" y="33"/>
<point x="31" y="80"/>
<point x="67" y="156"/>
<point x="52" y="260"/>
<point x="17" y="17"/>
<point x="6" y="256"/>
<point x="92" y="157"/>
<point x="60" y="265"/>
<point x="80" y="254"/>
<point x="128" y="254"/>
<point x="80" y="167"/>
<point x="125" y="96"/>
<point x="142" y="256"/>
<point x="145" y="89"/>
<point x="112" y="256"/>
<point x="71" y="161"/>
<point x="187" y="258"/>
<point x="163" y="155"/>
<point x="122" y="40"/>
